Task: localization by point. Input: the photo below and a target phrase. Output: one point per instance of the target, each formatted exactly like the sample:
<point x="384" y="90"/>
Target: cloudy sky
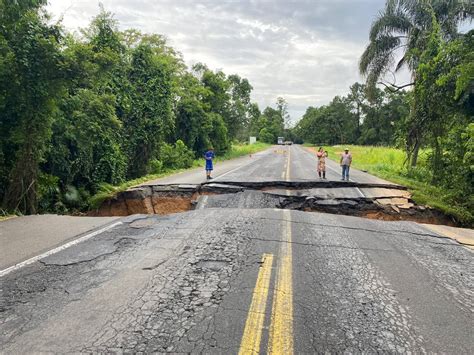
<point x="303" y="50"/>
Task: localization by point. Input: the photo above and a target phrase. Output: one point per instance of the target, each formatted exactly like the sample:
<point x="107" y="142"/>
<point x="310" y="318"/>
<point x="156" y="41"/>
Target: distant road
<point x="268" y="165"/>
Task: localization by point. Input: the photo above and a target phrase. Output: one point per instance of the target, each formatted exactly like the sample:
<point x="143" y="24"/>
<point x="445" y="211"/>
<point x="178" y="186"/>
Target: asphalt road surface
<point x="293" y="163"/>
<point x="246" y="280"/>
<point x="22" y="238"/>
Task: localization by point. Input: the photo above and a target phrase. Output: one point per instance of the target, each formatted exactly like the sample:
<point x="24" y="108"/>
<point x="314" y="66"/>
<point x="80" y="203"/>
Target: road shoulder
<point x="463" y="236"/>
<point x="27" y="236"/>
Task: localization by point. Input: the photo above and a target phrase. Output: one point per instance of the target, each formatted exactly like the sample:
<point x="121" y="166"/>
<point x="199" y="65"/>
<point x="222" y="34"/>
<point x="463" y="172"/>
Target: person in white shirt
<point x="346" y="161"/>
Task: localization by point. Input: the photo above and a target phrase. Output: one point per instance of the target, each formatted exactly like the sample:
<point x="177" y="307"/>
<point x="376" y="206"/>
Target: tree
<point x="86" y="147"/>
<point x="30" y="82"/>
<point x="445" y="93"/>
<point x="240" y="106"/>
<point x="254" y="115"/>
<point x="150" y="118"/>
<point x="282" y="108"/>
<point x="80" y="111"/>
<point x="193" y="122"/>
<point x="358" y="99"/>
<point x="330" y="124"/>
<point x="406" y="25"/>
<point x="383" y="117"/>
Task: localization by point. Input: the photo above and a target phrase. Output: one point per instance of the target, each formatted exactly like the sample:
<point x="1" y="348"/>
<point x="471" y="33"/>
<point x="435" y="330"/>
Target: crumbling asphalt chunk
<point x="370" y="200"/>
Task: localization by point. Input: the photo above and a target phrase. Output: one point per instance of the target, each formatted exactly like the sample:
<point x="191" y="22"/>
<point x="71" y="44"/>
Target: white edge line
<point x="237" y="168"/>
<point x="203" y="202"/>
<point x="359" y="191"/>
<point x="55" y="250"/>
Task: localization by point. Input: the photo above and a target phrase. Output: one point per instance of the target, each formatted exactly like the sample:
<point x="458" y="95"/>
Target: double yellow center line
<point x="280" y="337"/>
<point x="281" y="327"/>
<point x="250" y="343"/>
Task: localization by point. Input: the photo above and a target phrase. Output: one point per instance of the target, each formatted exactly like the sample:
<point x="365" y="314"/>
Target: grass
<point x="377" y="159"/>
<point x="4" y="215"/>
<point x="108" y="191"/>
<point x="388" y="163"/>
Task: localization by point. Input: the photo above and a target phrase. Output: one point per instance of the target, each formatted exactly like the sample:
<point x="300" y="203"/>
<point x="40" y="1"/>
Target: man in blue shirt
<point x="209" y="155"/>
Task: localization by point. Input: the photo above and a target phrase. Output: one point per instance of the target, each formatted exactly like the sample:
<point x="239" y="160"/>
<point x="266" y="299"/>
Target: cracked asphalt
<point x="192" y="283"/>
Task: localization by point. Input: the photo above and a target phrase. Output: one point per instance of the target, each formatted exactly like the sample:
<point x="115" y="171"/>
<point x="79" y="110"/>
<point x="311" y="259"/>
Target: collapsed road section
<point x="375" y="201"/>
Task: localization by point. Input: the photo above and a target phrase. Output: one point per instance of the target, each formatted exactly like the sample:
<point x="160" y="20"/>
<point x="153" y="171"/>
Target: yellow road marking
<point x="288" y="165"/>
<point x="250" y="343"/>
<point x="281" y="328"/>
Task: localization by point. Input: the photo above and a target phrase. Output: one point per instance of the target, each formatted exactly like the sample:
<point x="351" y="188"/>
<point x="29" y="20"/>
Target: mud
<point x="385" y="202"/>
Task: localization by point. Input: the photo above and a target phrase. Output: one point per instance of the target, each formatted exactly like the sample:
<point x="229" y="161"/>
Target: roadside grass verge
<point x="4" y="215"/>
<point x="107" y="191"/>
<point x="388" y="163"/>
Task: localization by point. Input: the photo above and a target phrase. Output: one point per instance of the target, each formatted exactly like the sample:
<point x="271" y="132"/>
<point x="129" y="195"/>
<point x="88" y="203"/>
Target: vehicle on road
<point x="280" y="140"/>
<point x="288" y="143"/>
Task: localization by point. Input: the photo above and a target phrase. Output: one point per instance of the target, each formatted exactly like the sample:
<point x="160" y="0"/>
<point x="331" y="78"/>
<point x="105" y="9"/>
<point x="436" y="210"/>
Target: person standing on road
<point x="209" y="155"/>
<point x="346" y="161"/>
<point x="321" y="154"/>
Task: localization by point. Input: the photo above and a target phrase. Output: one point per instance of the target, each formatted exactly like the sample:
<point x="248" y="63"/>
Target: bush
<point x="49" y="193"/>
<point x="266" y="136"/>
<point x="155" y="166"/>
<point x="176" y="157"/>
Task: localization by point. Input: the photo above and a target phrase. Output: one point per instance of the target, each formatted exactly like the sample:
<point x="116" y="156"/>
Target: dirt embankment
<point x="383" y="202"/>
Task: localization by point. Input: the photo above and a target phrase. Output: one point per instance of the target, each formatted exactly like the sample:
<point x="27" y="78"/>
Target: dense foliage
<point x="354" y="119"/>
<point x="105" y="106"/>
<point x="436" y="115"/>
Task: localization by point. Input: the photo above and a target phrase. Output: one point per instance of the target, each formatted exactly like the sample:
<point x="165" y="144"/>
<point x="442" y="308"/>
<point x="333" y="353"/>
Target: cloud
<point x="306" y="51"/>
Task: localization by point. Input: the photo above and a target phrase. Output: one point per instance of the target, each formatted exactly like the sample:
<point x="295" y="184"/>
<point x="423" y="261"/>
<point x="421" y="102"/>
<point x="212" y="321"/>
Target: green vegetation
<point x="4" y="215"/>
<point x="390" y="164"/>
<point x="374" y="158"/>
<point x="82" y="111"/>
<point x="107" y="191"/>
<point x="239" y="150"/>
<point x="431" y="124"/>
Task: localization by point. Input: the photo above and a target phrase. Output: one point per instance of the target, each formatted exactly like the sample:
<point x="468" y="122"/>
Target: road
<point x="25" y="237"/>
<point x="270" y="165"/>
<point x="241" y="278"/>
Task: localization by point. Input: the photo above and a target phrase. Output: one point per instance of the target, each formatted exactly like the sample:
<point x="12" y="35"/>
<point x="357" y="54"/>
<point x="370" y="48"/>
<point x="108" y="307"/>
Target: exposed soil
<point x="310" y="196"/>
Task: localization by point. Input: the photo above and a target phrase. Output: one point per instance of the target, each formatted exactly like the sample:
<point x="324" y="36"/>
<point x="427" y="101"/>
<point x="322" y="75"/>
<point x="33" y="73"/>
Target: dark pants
<point x="345" y="172"/>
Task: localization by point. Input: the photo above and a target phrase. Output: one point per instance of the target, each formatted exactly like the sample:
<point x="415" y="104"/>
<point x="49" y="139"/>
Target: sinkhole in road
<point x="375" y="201"/>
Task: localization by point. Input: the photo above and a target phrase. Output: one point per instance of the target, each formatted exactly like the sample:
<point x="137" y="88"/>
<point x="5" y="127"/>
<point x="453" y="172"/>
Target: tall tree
<point x="193" y="122"/>
<point x="30" y="82"/>
<point x="405" y="26"/>
<point x="87" y="130"/>
<point x="282" y="108"/>
<point x="239" y="107"/>
<point x="150" y="118"/>
<point x="358" y="99"/>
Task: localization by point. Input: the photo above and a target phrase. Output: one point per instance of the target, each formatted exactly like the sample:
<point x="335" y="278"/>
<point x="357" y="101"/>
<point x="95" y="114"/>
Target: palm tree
<point x="398" y="37"/>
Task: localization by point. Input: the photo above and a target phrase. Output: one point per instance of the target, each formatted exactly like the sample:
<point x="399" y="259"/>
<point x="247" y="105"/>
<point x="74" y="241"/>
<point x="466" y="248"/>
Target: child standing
<point x="209" y="155"/>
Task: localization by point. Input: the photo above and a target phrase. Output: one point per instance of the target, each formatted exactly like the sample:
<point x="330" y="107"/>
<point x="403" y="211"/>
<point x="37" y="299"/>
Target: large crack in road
<point x="376" y="201"/>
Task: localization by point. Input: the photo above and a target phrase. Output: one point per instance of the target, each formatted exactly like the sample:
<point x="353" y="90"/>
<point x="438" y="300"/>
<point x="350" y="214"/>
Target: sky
<point x="306" y="51"/>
